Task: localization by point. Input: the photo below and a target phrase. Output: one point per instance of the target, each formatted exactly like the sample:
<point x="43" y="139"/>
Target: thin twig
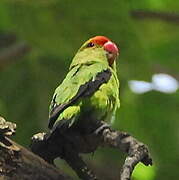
<point x="79" y="166"/>
<point x="13" y="52"/>
<point x="130" y="163"/>
<point x="7" y="39"/>
<point x="165" y="16"/>
<point x="137" y="151"/>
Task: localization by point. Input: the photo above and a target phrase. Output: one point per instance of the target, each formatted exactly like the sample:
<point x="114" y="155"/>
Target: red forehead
<point x="101" y="40"/>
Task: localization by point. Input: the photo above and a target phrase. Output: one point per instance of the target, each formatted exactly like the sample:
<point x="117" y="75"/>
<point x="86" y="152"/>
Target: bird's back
<point x="89" y="107"/>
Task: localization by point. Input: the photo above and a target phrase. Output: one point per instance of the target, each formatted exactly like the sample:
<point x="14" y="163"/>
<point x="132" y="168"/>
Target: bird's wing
<point x="81" y="81"/>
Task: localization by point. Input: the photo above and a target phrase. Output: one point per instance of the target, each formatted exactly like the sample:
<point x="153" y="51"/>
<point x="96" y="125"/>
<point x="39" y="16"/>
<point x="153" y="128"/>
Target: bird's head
<point x="102" y="42"/>
<point x="99" y="49"/>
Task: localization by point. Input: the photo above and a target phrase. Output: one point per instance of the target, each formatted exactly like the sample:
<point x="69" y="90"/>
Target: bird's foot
<point x="38" y="137"/>
<point x="101" y="128"/>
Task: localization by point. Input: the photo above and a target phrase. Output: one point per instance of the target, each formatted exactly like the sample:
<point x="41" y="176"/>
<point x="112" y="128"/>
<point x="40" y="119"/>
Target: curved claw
<point x="101" y="128"/>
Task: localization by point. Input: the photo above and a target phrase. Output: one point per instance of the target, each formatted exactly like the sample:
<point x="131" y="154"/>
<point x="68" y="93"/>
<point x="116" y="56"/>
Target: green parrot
<point x="89" y="93"/>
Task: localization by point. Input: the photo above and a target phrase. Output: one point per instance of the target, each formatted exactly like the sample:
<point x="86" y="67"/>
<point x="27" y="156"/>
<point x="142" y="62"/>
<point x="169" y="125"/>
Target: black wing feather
<point x="85" y="90"/>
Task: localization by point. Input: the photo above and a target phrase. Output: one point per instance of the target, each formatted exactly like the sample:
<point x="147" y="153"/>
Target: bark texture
<point x="18" y="163"/>
<point x="68" y="146"/>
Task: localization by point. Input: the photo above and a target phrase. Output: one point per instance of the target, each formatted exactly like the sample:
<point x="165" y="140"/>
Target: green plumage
<point x="98" y="106"/>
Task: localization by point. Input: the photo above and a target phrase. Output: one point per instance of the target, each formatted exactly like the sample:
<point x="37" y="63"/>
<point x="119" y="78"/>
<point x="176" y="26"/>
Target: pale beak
<point x="112" y="51"/>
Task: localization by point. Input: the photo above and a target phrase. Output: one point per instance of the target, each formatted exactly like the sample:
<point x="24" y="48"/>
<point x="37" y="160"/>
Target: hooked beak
<point x="112" y="51"/>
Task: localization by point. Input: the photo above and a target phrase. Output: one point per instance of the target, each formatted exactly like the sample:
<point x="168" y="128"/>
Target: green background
<point x="54" y="30"/>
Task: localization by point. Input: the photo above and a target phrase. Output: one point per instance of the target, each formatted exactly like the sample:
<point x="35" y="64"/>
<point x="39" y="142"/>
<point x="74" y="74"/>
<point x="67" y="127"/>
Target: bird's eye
<point x="90" y="44"/>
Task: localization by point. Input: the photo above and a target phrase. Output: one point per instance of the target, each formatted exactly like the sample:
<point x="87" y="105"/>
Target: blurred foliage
<point x="143" y="172"/>
<point x="55" y="30"/>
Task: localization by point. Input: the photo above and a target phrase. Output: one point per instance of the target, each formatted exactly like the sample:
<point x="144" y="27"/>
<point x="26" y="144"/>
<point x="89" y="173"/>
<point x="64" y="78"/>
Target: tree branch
<point x="165" y="16"/>
<point x="79" y="166"/>
<point x="18" y="163"/>
<point x="137" y="151"/>
<point x="68" y="146"/>
<point x="11" y="53"/>
<point x="7" y="39"/>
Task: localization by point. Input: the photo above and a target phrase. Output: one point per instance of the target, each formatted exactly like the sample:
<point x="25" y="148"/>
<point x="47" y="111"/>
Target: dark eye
<point x="90" y="44"/>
